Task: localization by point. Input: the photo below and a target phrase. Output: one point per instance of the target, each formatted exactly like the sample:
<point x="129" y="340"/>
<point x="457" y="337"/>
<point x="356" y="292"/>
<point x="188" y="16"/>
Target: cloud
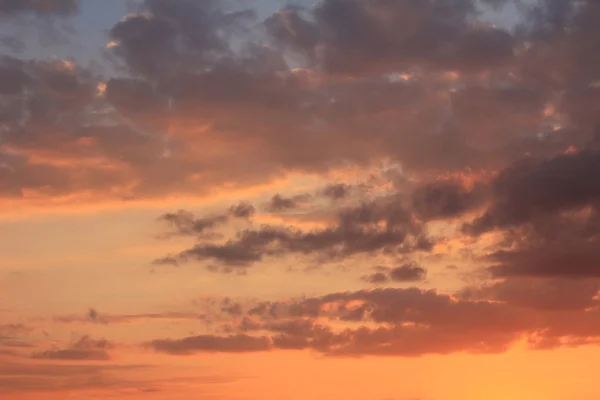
<point x="533" y="189"/>
<point x="43" y="377"/>
<point x="207" y="343"/>
<point x="14" y="329"/>
<point x="95" y="316"/>
<point x="382" y="225"/>
<point x="413" y="322"/>
<point x="540" y="294"/>
<point x="547" y="213"/>
<point x="446" y="199"/>
<point x="471" y="124"/>
<point x="408" y="272"/>
<point x="186" y="224"/>
<point x="377" y="278"/>
<point x="85" y="348"/>
<point x="279" y="203"/>
<point x="440" y="95"/>
<point x="47" y="7"/>
<point x="168" y="35"/>
<point x="17" y="378"/>
<point x="359" y="37"/>
<point x="14" y="337"/>
<point x="337" y="190"/>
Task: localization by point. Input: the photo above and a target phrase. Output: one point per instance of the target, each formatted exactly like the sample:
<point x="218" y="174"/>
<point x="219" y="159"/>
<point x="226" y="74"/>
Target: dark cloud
<point x="12" y="77"/>
<point x="231" y="307"/>
<point x="280" y="203"/>
<point x="337" y="191"/>
<point x="208" y="343"/>
<point x="446" y="199"/>
<point x="94" y="316"/>
<point x="548" y="245"/>
<point x="48" y="21"/>
<point x="185" y="223"/>
<point x="544" y="294"/>
<point x="85" y="348"/>
<point x="13" y="43"/>
<point x="242" y="210"/>
<point x="169" y="36"/>
<point x="533" y="189"/>
<point x="571" y="259"/>
<point x="377" y="278"/>
<point x="382" y="225"/>
<point x="45" y="7"/>
<point x="494" y="117"/>
<point x="375" y="36"/>
<point x="433" y="89"/>
<point x="414" y="322"/>
<point x="408" y="272"/>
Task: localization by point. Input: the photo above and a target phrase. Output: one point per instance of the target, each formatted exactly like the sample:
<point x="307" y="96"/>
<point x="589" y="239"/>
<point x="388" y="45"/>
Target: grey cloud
<point x="381" y="225"/>
<point x="45" y="7"/>
<point x="359" y="37"/>
<point x="416" y="322"/>
<point x="185" y="222"/>
<point x="532" y="189"/>
<point x="13" y="43"/>
<point x="85" y="348"/>
<point x="208" y="343"/>
<point x="540" y="294"/>
<point x="410" y="322"/>
<point x="172" y="35"/>
<point x="94" y="316"/>
<point x="446" y="199"/>
<point x="377" y="278"/>
<point x="242" y="210"/>
<point x="408" y="272"/>
<point x="142" y="137"/>
<point x="280" y="203"/>
<point x="337" y="191"/>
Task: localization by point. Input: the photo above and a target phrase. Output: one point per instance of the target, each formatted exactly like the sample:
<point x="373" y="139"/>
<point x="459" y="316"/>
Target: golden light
<point x="101" y="89"/>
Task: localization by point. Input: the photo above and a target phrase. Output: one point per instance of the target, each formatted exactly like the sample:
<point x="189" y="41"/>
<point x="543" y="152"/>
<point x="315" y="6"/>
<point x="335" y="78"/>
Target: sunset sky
<point x="290" y="200"/>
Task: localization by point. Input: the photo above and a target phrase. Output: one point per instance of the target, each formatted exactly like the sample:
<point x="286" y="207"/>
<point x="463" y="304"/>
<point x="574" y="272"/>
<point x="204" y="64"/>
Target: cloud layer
<point x="372" y="142"/>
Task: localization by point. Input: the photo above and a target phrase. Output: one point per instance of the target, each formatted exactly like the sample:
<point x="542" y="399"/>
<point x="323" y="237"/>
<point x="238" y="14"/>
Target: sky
<point x="261" y="199"/>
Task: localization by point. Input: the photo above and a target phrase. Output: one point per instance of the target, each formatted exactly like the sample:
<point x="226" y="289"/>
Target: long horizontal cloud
<point x="208" y="343"/>
<point x="13" y="336"/>
<point x="381" y="225"/>
<point x="413" y="322"/>
<point x="83" y="349"/>
<point x="94" y="316"/>
<point x="17" y="377"/>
